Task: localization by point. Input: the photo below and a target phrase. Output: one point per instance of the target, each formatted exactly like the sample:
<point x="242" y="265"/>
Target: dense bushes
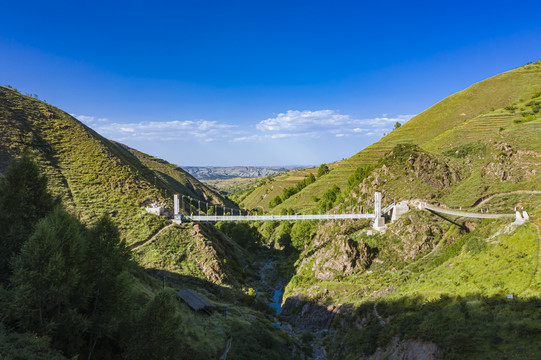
<point x="275" y="201"/>
<point x="461" y="327"/>
<point x="73" y="285"/>
<point x="462" y="151"/>
<point x="328" y="199"/>
<point x="24" y="200"/>
<point x="301" y="233"/>
<point x="322" y="170"/>
<point x="290" y="191"/>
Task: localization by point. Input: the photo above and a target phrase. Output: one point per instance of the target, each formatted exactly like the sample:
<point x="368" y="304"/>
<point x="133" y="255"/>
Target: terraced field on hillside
<point x="262" y="195"/>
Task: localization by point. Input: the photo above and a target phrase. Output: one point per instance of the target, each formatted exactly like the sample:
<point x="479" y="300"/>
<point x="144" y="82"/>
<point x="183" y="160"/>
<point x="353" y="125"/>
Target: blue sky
<point x="260" y="82"/>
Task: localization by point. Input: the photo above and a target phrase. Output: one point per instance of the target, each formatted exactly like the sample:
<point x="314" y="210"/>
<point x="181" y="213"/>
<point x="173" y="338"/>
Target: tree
<point x="301" y="233"/>
<point x="322" y="170"/>
<point x="359" y="175"/>
<point x="156" y="332"/>
<point x="329" y="198"/>
<point x="275" y="201"/>
<point x="48" y="281"/>
<point x="107" y="260"/>
<point x="287" y="193"/>
<point x="397" y="125"/>
<point x="24" y="200"/>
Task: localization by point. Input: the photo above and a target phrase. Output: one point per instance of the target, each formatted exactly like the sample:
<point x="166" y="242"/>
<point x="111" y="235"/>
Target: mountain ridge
<point x="230" y="172"/>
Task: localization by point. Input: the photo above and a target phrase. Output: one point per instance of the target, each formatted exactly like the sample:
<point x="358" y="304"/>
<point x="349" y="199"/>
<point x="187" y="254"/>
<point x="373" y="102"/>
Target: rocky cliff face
<point x="509" y="165"/>
<point x="333" y="253"/>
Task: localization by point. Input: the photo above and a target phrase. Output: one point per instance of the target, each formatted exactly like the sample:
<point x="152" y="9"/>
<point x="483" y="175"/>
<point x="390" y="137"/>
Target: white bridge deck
<point x="211" y="218"/>
<point x="378" y="223"/>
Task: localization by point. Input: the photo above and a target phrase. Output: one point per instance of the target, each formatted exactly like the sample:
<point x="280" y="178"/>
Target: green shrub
<point x="275" y="201"/>
<point x="322" y="170"/>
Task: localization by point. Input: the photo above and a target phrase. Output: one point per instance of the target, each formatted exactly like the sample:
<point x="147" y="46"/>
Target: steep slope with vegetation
<point x="92" y="174"/>
<point x="260" y="196"/>
<point x="433" y="286"/>
<point x="176" y="179"/>
<point x="69" y="290"/>
<point x="504" y="108"/>
<point x="428" y="287"/>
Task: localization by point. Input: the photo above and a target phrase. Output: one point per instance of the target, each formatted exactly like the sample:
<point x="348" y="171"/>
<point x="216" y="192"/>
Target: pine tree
<point x="24" y="200"/>
<point x="322" y="170"/>
<point x="47" y="280"/>
<point x="107" y="261"/>
<point x="156" y="332"/>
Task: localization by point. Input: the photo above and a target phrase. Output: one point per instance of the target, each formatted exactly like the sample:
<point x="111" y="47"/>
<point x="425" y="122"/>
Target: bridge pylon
<point x="379" y="221"/>
<point x="176" y="214"/>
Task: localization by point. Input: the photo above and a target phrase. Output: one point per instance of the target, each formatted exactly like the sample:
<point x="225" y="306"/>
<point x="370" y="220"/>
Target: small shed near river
<point x="195" y="301"/>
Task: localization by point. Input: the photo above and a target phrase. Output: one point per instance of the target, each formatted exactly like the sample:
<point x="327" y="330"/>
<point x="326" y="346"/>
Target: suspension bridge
<point x="202" y="217"/>
<point x="378" y="221"/>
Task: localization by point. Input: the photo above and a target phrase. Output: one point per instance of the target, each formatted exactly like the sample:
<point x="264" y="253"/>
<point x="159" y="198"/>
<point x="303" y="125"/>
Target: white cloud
<point x="291" y="124"/>
<point x="320" y="123"/>
<point x="201" y="130"/>
<point x="298" y="121"/>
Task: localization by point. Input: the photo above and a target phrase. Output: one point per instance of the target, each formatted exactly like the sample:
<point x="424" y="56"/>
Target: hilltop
<point x="503" y="109"/>
<point x="91" y="174"/>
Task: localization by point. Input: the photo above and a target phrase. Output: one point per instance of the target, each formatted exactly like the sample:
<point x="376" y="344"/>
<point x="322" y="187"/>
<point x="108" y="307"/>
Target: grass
<point x="261" y="195"/>
<point x="453" y="293"/>
<point x="92" y="174"/>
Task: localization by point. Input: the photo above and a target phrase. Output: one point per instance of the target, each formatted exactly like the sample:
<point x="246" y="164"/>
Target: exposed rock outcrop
<point x="508" y="165"/>
<point x="343" y="257"/>
<point x="334" y="253"/>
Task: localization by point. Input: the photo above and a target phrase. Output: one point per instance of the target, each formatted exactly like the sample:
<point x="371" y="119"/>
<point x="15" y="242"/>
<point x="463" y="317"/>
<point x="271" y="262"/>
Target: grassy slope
<point x="173" y="177"/>
<point x="456" y="297"/>
<point x="452" y="292"/>
<point x="92" y="174"/>
<point x="234" y="185"/>
<point x="262" y="195"/>
<point x="460" y="118"/>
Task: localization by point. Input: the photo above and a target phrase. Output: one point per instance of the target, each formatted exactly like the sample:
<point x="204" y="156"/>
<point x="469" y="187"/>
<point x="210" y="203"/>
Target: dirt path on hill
<point x="150" y="238"/>
<point x="479" y="201"/>
<point x="484" y="199"/>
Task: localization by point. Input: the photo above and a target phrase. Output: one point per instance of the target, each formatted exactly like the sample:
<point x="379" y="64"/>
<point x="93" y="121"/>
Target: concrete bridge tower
<point x="177" y="207"/>
<point x="379" y="221"/>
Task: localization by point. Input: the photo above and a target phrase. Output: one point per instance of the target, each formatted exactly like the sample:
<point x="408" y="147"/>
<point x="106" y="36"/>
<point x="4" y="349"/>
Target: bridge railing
<point x="215" y="218"/>
<point x="387" y="208"/>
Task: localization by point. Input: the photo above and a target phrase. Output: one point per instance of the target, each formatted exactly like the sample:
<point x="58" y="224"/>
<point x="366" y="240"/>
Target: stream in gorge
<point x="272" y="283"/>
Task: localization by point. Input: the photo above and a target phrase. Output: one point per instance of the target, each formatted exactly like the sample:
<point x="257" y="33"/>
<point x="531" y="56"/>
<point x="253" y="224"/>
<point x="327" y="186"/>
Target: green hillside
<point x="265" y="191"/>
<point x="492" y="109"/>
<point x="61" y="266"/>
<point x="429" y="286"/>
<point x="176" y="179"/>
<point x="92" y="174"/>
